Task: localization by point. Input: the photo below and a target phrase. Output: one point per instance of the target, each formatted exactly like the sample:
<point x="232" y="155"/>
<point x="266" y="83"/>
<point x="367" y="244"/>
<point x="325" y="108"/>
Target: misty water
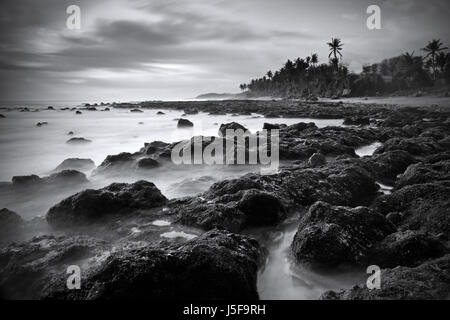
<point x="28" y="149"/>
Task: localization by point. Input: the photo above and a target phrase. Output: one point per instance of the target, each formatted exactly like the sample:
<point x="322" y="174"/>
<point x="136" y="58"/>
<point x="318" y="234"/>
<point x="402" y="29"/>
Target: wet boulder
<point x="344" y="182"/>
<point x="116" y="163"/>
<point x="184" y="123"/>
<point x="147" y="163"/>
<point x="405" y="248"/>
<point x="116" y="199"/>
<point x="424" y="173"/>
<point x="26" y="180"/>
<point x="417" y="146"/>
<point x="157" y="149"/>
<point x="78" y="141"/>
<point x="10" y="222"/>
<point x="216" y="265"/>
<point x="66" y="177"/>
<point x="388" y="165"/>
<point x="423" y="207"/>
<point x="330" y="236"/>
<point x="273" y="126"/>
<point x="232" y="205"/>
<point x="76" y="164"/>
<point x="231" y="126"/>
<point x="430" y="280"/>
<point x="27" y="269"/>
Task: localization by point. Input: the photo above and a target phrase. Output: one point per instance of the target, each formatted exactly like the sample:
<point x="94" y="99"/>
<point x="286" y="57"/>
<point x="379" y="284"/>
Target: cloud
<point x="187" y="47"/>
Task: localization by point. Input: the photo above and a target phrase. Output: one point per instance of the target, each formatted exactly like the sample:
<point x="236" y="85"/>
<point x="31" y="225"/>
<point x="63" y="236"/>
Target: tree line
<point x="306" y="78"/>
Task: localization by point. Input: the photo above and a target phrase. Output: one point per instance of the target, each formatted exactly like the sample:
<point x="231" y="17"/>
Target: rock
<point x="147" y="163"/>
<point x="330" y="236"/>
<point x="405" y="248"/>
<point x="136" y="110"/>
<point x="106" y="109"/>
<point x="190" y="111"/>
<point x="50" y="108"/>
<point x="2" y="116"/>
<point x="160" y="113"/>
<point x="158" y="149"/>
<point x="232" y="205"/>
<point x="10" y="222"/>
<point x="40" y="124"/>
<point x="430" y="280"/>
<point x="424" y="172"/>
<point x="357" y="121"/>
<point x="116" y="199"/>
<point x="112" y="163"/>
<point x="273" y="126"/>
<point x="27" y="269"/>
<point x="231" y="126"/>
<point x="78" y="112"/>
<point x="388" y="165"/>
<point x="419" y="146"/>
<point x="78" y="141"/>
<point x="424" y="207"/>
<point x="26" y="180"/>
<point x="184" y="123"/>
<point x="317" y="159"/>
<point x="67" y="177"/>
<point x="76" y="164"/>
<point x="216" y="265"/>
<point x="70" y="133"/>
<point x="343" y="182"/>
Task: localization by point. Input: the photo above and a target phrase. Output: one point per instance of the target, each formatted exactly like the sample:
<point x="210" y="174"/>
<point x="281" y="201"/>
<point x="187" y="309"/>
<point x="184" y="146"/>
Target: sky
<point x="131" y="50"/>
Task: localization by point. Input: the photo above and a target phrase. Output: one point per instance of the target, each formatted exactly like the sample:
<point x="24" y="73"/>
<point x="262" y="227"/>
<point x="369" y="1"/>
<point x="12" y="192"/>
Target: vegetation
<point x="306" y="78"/>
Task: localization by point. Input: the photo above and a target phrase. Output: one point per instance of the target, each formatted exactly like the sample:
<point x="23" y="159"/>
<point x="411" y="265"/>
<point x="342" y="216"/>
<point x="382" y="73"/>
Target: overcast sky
<point x="175" y="49"/>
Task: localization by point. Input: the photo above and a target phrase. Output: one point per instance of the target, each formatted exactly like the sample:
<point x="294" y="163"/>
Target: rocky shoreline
<point x="344" y="217"/>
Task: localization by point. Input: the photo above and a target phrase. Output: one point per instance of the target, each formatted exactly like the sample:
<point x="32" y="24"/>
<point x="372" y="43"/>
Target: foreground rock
<point x="421" y="207"/>
<point x="232" y="205"/>
<point x="431" y="280"/>
<point x="118" y="198"/>
<point x="10" y="223"/>
<point x="406" y="248"/>
<point x="424" y="173"/>
<point x="217" y="265"/>
<point x="330" y="236"/>
<point x="27" y="269"/>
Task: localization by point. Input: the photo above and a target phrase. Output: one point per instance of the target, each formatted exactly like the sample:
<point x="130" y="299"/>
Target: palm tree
<point x="433" y="48"/>
<point x="269" y="74"/>
<point x="335" y="47"/>
<point x="441" y="60"/>
<point x="314" y="59"/>
<point x="408" y="58"/>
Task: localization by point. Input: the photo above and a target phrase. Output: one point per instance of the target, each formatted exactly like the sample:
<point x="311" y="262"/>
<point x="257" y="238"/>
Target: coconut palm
<point x="433" y="48"/>
<point x="269" y="74"/>
<point x="441" y="60"/>
<point x="314" y="59"/>
<point x="335" y="47"/>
